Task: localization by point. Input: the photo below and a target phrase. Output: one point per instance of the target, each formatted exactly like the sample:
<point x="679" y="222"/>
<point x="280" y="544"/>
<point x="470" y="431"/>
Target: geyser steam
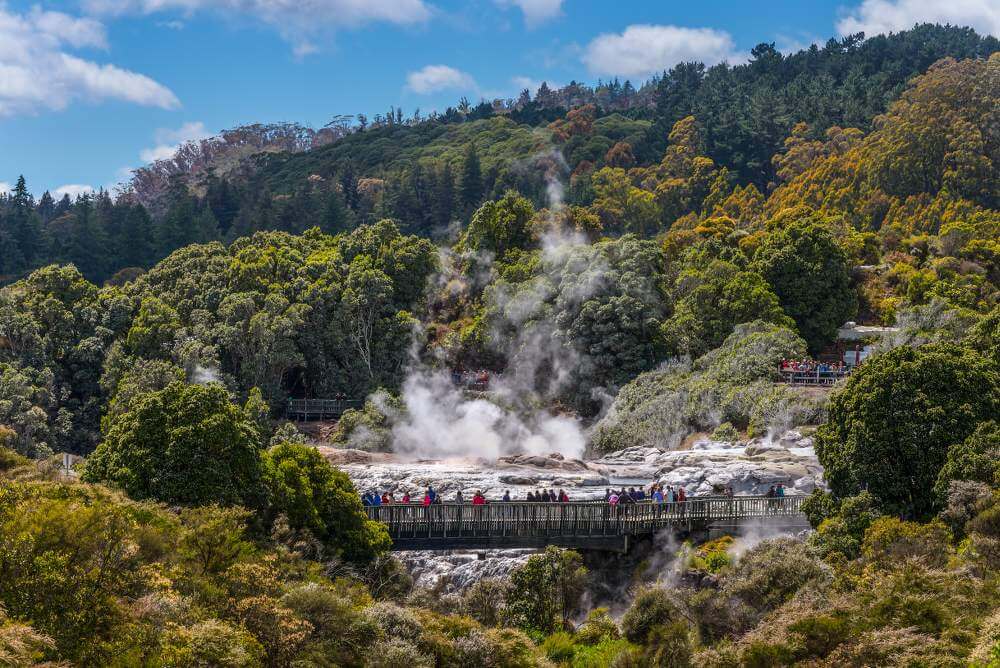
<point x="441" y="421"/>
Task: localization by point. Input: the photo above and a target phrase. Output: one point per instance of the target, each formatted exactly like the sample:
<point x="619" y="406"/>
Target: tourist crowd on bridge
<point x="656" y="493"/>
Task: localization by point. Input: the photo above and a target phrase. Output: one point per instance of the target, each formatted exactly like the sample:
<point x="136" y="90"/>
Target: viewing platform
<point x="594" y="525"/>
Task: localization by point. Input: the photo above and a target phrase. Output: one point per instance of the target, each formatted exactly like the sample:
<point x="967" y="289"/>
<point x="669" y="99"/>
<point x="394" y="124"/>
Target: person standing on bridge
<point x="657" y="495"/>
<point x="506" y="496"/>
<point x="613" y="499"/>
<point x="779" y="491"/>
<point x="478" y="499"/>
<point x="458" y="497"/>
<point x="563" y="496"/>
<point x="406" y="497"/>
<point x="681" y="495"/>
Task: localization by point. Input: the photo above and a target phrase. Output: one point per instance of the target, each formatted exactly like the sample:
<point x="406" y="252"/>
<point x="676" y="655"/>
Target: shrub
<point x="726" y="432"/>
<point x="10" y="459"/>
<point x="987" y="649"/>
<point x="965" y="499"/>
<point x="545" y="592"/>
<point x="315" y="496"/>
<point x="735" y="382"/>
<point x="209" y="643"/>
<point x="20" y="644"/>
<point x="597" y="627"/>
<point x="396" y="652"/>
<point x="651" y="608"/>
<point x="510" y="649"/>
<point x="712" y="556"/>
<point x="485" y="601"/>
<point x="184" y="444"/>
<point x="842" y="533"/>
<point x="606" y="653"/>
<point x="889" y="541"/>
<point x="819" y="506"/>
<point x="393" y="621"/>
<point x="669" y="646"/>
<point x="559" y="647"/>
<point x="213" y="538"/>
<point x="770" y="573"/>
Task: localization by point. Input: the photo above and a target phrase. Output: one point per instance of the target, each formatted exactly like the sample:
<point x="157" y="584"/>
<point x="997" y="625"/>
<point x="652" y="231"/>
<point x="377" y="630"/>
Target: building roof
<point x="854" y="332"/>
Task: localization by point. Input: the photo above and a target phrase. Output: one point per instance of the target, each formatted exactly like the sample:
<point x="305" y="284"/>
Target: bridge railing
<point x="574" y="519"/>
<point x="813" y="376"/>
<point x="319" y="409"/>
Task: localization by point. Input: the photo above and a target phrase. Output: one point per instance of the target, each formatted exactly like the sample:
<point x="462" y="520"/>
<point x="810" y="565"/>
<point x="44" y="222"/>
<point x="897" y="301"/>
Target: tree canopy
<point x="891" y="427"/>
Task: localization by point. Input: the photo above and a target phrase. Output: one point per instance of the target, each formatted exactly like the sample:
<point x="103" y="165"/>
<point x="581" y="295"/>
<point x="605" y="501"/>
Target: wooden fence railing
<point x="576" y="519"/>
<point x="319" y="409"/>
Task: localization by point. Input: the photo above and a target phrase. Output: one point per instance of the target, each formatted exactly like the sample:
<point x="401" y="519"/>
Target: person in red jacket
<point x="478" y="499"/>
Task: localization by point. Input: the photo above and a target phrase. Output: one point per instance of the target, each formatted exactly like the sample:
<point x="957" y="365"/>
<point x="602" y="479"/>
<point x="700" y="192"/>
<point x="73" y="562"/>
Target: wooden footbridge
<point x="591" y="525"/>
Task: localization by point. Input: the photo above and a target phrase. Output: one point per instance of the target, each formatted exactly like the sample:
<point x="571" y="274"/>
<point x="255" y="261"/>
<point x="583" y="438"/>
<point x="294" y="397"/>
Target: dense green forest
<point x="673" y="242"/>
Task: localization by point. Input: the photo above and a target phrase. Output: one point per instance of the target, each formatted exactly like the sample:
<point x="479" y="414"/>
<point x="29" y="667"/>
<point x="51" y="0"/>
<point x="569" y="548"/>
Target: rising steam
<point x="441" y="421"/>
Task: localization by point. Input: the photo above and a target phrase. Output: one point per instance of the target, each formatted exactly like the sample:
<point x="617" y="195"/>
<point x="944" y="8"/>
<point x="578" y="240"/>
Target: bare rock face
<point x="551" y="461"/>
<point x="454" y="572"/>
<point x="339" y="456"/>
<point x="706" y="467"/>
<point x="709" y="467"/>
<point x="750" y="468"/>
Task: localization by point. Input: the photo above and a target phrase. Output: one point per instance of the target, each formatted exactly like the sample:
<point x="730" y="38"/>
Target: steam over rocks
<point x="457" y="571"/>
<point x="708" y="467"/>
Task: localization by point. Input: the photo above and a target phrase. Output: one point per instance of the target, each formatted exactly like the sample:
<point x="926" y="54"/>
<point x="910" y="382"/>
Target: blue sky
<point x="91" y="88"/>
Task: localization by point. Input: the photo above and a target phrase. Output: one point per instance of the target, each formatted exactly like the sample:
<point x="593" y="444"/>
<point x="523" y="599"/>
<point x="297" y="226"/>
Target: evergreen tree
<point x="138" y="244"/>
<point x="336" y="217"/>
<point x="472" y="179"/>
<point x="444" y="196"/>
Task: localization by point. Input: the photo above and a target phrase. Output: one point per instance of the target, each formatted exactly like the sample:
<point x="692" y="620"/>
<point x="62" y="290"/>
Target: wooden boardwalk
<point x="586" y="524"/>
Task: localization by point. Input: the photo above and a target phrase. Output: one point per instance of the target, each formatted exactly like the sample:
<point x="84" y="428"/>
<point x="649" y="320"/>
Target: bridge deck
<point x="578" y="524"/>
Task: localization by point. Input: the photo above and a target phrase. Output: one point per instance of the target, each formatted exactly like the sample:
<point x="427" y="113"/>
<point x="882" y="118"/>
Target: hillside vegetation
<point x="637" y="262"/>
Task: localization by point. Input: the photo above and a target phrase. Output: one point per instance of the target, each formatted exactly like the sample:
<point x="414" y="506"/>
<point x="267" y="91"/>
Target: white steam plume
<point x="441" y="421"/>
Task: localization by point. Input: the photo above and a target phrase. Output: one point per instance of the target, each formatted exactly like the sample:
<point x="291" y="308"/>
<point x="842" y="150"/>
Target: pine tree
<point x="137" y="243"/>
<point x="444" y="196"/>
<point x="336" y="217"/>
<point x="472" y="179"/>
<point x="349" y="186"/>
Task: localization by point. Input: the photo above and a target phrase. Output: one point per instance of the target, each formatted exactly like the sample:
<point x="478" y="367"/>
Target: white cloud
<point x="522" y="82"/>
<point x="433" y="78"/>
<point x="74" y="190"/>
<point x="5" y="187"/>
<point x="295" y="20"/>
<point x="37" y="73"/>
<point x="535" y="11"/>
<point x="168" y="141"/>
<point x="645" y="49"/>
<point x="881" y="16"/>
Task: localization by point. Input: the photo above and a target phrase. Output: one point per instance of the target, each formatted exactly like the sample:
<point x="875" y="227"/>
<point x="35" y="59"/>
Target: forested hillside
<point x="633" y="262"/>
<point x="426" y="172"/>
